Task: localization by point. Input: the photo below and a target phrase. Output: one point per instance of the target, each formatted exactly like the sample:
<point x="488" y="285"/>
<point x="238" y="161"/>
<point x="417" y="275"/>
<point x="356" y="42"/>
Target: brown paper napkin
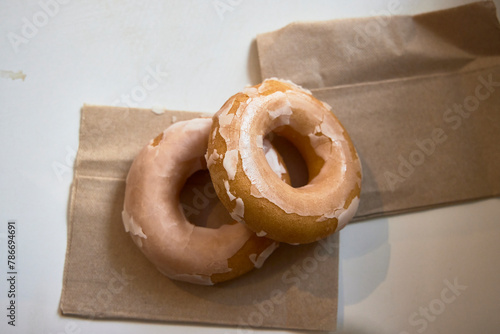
<point x="106" y="276"/>
<point x="420" y="97"/>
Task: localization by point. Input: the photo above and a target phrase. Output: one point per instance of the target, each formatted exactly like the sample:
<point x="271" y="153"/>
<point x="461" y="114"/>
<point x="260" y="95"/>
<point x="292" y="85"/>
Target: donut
<point x="267" y="205"/>
<point x="153" y="215"/>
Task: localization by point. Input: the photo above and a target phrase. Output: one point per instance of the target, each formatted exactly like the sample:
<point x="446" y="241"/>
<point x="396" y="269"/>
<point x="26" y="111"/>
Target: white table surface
<point x="394" y="272"/>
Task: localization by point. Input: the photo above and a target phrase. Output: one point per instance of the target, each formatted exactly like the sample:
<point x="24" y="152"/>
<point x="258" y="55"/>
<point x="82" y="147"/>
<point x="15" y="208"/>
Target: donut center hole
<point x="200" y="203"/>
<point x="293" y="160"/>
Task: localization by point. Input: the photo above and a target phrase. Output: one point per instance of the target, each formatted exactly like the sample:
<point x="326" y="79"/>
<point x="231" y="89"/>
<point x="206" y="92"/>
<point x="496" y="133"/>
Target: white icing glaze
<point x="258" y="261"/>
<point x="230" y="163"/>
<point x="283" y="111"/>
<point x="348" y="213"/>
<point x="212" y="158"/>
<point x="250" y="91"/>
<point x="255" y="192"/>
<point x="225" y="120"/>
<point x="343" y="215"/>
<point x="239" y="209"/>
<point x="261" y="234"/>
<point x="276" y="166"/>
<point x="131" y="226"/>
<point x="272" y="159"/>
<point x="229" y="194"/>
<point x="321" y="145"/>
<point x="326" y="105"/>
<point x="224" y="133"/>
<point x="260" y="141"/>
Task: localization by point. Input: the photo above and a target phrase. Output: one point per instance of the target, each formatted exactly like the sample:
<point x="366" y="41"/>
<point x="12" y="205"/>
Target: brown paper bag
<point x="419" y="96"/>
<point x="106" y="276"/>
<point x="392" y="91"/>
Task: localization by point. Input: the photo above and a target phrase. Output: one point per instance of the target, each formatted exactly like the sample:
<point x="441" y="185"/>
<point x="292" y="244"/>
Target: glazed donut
<point x="153" y="215"/>
<point x="265" y="204"/>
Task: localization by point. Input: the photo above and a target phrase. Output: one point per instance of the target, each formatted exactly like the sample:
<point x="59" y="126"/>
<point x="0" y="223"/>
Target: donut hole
<point x="292" y="158"/>
<point x="200" y="203"/>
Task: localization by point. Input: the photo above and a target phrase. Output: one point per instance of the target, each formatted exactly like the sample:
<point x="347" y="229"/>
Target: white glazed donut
<point x="264" y="203"/>
<point x="153" y="216"/>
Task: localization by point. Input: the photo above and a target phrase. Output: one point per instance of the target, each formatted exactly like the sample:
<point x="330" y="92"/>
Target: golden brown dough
<point x="263" y="202"/>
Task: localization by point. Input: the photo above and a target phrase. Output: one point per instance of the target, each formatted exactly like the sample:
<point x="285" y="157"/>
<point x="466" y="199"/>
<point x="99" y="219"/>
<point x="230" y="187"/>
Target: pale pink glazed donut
<point x="265" y="204"/>
<point x="153" y="216"/>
